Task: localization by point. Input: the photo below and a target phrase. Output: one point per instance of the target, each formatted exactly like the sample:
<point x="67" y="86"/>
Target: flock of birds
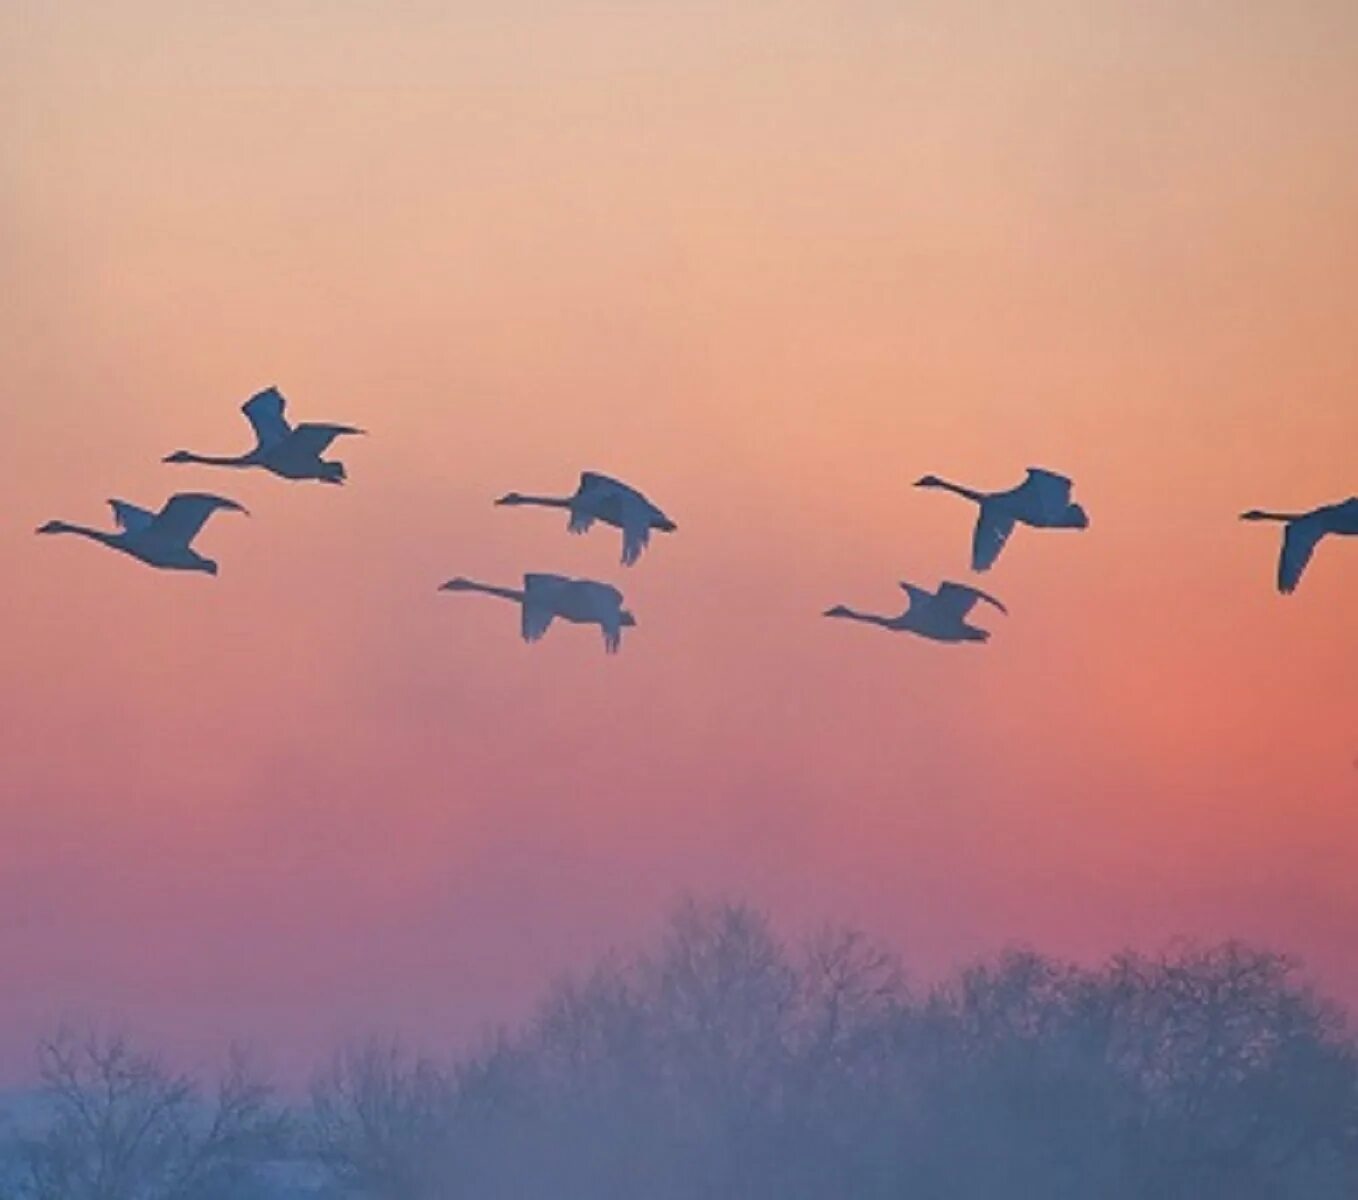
<point x="1043" y="500"/>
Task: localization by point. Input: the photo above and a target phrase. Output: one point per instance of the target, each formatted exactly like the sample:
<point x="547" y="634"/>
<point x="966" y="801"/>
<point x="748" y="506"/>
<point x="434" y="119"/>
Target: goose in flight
<point x="601" y="498"/>
<point x="1041" y="500"/>
<point x="939" y="615"/>
<point x="160" y="539"/>
<point x="1301" y="533"/>
<point x="545" y="597"/>
<point x="294" y="452"/>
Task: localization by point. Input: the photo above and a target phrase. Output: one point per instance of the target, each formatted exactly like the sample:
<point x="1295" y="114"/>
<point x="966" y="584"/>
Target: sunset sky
<point x="770" y="260"/>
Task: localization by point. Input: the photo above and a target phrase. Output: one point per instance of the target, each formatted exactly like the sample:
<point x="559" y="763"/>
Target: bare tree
<point x="119" y="1126"/>
<point x="381" y="1123"/>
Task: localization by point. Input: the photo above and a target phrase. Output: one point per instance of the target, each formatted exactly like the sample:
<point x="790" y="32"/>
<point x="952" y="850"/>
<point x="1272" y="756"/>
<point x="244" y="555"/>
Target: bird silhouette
<point x="602" y="498"/>
<point x="940" y="616"/>
<point x="1303" y="531"/>
<point x="545" y="597"/>
<point x="292" y="452"/>
<point x="1041" y="500"/>
<point x="160" y="539"/>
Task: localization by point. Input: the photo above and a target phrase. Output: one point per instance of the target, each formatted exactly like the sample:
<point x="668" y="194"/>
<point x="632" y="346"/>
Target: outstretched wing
<point x="311" y="441"/>
<point x="264" y="411"/>
<point x="591" y="497"/>
<point x="185" y="514"/>
<point x="130" y="518"/>
<point x="605" y="603"/>
<point x="595" y="485"/>
<point x="540" y="598"/>
<point x="919" y="597"/>
<point x="582" y="520"/>
<point x="1299" y="543"/>
<point x="993" y="527"/>
<point x="1050" y="491"/>
<point x="636" y="528"/>
<point x="957" y="599"/>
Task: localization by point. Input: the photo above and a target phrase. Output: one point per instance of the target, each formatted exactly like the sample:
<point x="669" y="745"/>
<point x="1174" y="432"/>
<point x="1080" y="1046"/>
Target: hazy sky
<point x="771" y="261"/>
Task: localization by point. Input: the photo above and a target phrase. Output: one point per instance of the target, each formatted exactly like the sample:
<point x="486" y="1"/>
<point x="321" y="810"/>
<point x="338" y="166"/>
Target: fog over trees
<point x="726" y="1063"/>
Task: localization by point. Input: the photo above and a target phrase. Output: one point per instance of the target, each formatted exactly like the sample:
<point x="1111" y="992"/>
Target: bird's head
<point x="456" y="585"/>
<point x="627" y="619"/>
<point x="928" y="481"/>
<point x="1078" y="518"/>
<point x="665" y="525"/>
<point x="179" y="456"/>
<point x="52" y="527"/>
<point x="510" y="498"/>
<point x="208" y="566"/>
<point x="332" y="472"/>
<point x="1253" y="514"/>
<point x="971" y="634"/>
<point x="839" y="610"/>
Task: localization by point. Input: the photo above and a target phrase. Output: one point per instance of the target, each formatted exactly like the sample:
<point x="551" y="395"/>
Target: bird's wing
<point x="957" y="599"/>
<point x="595" y="484"/>
<point x="1052" y="491"/>
<point x="1299" y="543"/>
<point x="130" y="518"/>
<point x="612" y="630"/>
<point x="591" y="496"/>
<point x="264" y="411"/>
<point x="993" y="527"/>
<point x="311" y="440"/>
<point x="582" y="518"/>
<point x="606" y="603"/>
<point x="919" y="597"/>
<point x="540" y="593"/>
<point x="185" y="514"/>
<point x="636" y="528"/>
<point x="537" y="617"/>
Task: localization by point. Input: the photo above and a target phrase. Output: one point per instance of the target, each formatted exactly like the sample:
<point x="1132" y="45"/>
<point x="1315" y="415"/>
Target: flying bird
<point x="601" y="498"/>
<point x="546" y="597"/>
<point x="940" y="616"/>
<point x="1041" y="500"/>
<point x="1301" y="533"/>
<point x="293" y="452"/>
<point x="162" y="539"/>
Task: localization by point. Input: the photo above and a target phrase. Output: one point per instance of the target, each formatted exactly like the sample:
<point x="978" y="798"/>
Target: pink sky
<point x="770" y="261"/>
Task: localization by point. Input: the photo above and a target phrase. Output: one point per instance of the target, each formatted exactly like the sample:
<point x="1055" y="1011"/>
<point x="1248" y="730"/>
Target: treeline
<point x="726" y="1064"/>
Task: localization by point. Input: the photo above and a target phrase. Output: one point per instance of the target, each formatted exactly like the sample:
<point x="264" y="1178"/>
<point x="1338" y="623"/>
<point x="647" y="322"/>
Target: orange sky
<point x="770" y="261"/>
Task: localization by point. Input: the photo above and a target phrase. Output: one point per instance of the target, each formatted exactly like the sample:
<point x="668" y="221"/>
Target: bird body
<point x="1302" y="533"/>
<point x="545" y="597"/>
<point x="1042" y="500"/>
<point x="603" y="498"/>
<point x="162" y="539"/>
<point x="939" y="616"/>
<point x="287" y="451"/>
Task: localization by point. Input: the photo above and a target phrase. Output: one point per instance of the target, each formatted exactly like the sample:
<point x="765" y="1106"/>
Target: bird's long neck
<point x="1259" y="515"/>
<point x="95" y="535"/>
<point x="948" y="486"/>
<point x="851" y="614"/>
<point x="546" y="501"/>
<point x="218" y="460"/>
<point x="469" y="585"/>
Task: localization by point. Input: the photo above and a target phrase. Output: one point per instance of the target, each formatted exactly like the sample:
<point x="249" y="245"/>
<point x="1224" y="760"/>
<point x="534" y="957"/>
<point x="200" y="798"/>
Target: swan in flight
<point x="939" y="615"/>
<point x="545" y="597"/>
<point x="1041" y="500"/>
<point x="1301" y="533"/>
<point x="601" y="498"/>
<point x="160" y="539"/>
<point x="294" y="452"/>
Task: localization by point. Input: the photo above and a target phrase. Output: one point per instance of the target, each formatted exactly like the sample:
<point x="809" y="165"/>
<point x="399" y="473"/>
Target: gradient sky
<point x="771" y="261"/>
